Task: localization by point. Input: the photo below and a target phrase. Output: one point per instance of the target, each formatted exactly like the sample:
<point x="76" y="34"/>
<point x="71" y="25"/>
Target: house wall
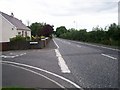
<point x="23" y="32"/>
<point x="119" y="13"/>
<point x="8" y="30"/>
<point x="29" y="33"/>
<point x="0" y="34"/>
<point x="0" y="28"/>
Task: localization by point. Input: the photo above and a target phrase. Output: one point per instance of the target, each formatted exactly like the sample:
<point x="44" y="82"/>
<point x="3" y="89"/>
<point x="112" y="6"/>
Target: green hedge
<point x="19" y="38"/>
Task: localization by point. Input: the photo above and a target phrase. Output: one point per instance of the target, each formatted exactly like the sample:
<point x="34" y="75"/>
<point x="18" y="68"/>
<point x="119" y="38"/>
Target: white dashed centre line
<point x="108" y="56"/>
<point x="11" y="53"/>
<point x="16" y="55"/>
<point x="78" y="46"/>
<point x="55" y="43"/>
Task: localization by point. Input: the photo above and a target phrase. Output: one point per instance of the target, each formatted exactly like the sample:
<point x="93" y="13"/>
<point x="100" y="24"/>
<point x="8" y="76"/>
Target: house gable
<point x="16" y="22"/>
<point x="8" y="30"/>
<point x="10" y="27"/>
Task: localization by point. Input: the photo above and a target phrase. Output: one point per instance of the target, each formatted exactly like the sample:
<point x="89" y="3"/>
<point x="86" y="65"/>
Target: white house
<point x="11" y="26"/>
<point x="119" y="13"/>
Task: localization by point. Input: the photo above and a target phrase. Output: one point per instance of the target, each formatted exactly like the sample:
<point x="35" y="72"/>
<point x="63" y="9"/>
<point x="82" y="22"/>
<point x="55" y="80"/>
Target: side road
<point x="38" y="68"/>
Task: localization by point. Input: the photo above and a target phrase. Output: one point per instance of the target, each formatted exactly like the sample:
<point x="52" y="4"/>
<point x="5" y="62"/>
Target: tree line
<point x="107" y="36"/>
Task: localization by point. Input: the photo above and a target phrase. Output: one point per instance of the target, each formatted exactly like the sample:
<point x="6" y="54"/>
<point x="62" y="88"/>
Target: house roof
<point x="16" y="22"/>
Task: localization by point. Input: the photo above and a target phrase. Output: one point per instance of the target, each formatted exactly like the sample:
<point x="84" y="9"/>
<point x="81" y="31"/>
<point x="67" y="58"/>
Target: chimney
<point x="12" y="15"/>
<point x="21" y="20"/>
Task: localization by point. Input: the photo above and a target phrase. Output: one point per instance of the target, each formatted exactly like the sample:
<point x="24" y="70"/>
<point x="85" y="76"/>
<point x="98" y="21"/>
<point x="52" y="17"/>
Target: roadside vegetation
<point x="108" y="36"/>
<point x="41" y="30"/>
<point x="38" y="31"/>
<point x="19" y="38"/>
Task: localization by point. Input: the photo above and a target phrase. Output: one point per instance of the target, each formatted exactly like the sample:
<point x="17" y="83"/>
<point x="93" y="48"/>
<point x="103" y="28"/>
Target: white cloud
<point x="86" y="13"/>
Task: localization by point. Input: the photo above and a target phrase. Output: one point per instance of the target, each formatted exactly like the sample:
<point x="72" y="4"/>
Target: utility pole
<point x="75" y="23"/>
<point x="28" y="23"/>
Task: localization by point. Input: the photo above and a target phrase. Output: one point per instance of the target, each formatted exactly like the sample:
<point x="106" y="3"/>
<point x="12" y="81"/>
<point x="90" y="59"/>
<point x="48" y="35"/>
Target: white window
<point x="12" y="28"/>
<point x="26" y="34"/>
<point x="19" y="33"/>
<point x="22" y="33"/>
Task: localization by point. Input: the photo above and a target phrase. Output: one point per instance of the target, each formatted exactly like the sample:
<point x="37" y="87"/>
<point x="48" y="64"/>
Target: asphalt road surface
<point x="62" y="64"/>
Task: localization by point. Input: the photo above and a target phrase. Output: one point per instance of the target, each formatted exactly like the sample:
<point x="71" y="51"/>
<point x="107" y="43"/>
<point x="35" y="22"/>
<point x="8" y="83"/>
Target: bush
<point x="17" y="38"/>
<point x="27" y="38"/>
<point x="42" y="37"/>
<point x="37" y="38"/>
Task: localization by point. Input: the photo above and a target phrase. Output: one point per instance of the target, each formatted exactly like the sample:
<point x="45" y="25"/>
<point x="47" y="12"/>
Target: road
<point x="62" y="64"/>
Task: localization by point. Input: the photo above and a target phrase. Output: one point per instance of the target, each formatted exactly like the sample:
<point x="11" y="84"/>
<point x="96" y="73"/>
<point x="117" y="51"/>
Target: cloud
<point x="61" y="7"/>
<point x="86" y="13"/>
<point x="78" y="8"/>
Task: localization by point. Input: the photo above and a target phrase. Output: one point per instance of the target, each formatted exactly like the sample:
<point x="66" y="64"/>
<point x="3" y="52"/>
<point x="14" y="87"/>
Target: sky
<point x="78" y="14"/>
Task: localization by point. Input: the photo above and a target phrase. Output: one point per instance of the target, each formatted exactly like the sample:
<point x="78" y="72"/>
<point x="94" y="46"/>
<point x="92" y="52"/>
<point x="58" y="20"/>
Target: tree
<point x="47" y="30"/>
<point x="110" y="35"/>
<point x="60" y="30"/>
<point x="36" y="28"/>
<point x="114" y="32"/>
<point x="97" y="34"/>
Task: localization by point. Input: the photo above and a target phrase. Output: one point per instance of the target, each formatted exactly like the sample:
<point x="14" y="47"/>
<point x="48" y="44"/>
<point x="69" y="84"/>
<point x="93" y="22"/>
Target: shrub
<point x="27" y="38"/>
<point x="17" y="38"/>
<point x="42" y="37"/>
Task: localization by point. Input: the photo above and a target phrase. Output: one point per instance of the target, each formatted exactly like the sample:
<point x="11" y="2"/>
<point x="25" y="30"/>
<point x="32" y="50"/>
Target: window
<point x="26" y="34"/>
<point x="19" y="33"/>
<point x="22" y="33"/>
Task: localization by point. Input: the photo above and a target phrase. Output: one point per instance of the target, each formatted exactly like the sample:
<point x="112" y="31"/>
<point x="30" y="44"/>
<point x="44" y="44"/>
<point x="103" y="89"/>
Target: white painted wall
<point x="0" y="28"/>
<point x="28" y="32"/>
<point x="119" y="13"/>
<point x="8" y="30"/>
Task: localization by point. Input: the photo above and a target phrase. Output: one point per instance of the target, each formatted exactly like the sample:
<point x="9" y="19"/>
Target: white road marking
<point x="48" y="72"/>
<point x="61" y="62"/>
<point x="5" y="56"/>
<point x="97" y="46"/>
<point x="16" y="55"/>
<point x="55" y="43"/>
<point x="110" y="48"/>
<point x="78" y="46"/>
<point x="108" y="56"/>
<point x="38" y="74"/>
<point x="24" y="53"/>
<point x="68" y="43"/>
<point x="2" y="55"/>
<point x="21" y="54"/>
<point x="11" y="53"/>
